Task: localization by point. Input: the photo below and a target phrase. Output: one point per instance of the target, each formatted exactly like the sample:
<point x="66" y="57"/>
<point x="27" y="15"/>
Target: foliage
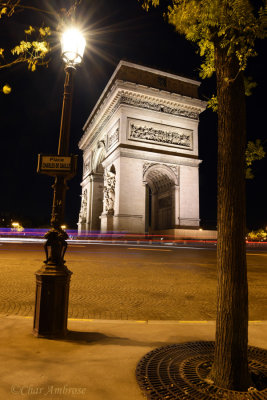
<point x="34" y="49"/>
<point x="213" y="103"/>
<point x="32" y="52"/>
<point x="259" y="235"/>
<point x="249" y="85"/>
<point x="9" y="7"/>
<point x="6" y="89"/>
<point x="232" y="24"/>
<point x="254" y="151"/>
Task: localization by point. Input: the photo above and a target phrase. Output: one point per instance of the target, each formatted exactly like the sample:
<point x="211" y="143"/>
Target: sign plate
<point x="57" y="165"/>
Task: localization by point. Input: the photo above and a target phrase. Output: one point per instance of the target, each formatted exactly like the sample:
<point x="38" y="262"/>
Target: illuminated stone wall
<point x="140" y="153"/>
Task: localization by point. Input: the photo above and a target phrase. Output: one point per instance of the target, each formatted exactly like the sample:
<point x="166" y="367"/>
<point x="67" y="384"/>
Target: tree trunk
<point x="230" y="367"/>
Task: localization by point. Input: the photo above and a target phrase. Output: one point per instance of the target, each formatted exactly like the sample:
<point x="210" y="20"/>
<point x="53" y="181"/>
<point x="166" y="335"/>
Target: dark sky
<point x="30" y="115"/>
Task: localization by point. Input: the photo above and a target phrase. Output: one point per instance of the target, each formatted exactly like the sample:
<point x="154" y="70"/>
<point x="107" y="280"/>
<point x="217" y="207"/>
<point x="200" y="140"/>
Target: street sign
<point x="56" y="165"/>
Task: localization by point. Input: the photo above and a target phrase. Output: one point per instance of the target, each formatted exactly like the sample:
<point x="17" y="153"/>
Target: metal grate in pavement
<point x="178" y="372"/>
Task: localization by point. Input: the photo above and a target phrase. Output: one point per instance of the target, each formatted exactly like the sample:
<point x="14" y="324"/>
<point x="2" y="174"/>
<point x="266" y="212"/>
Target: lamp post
<point x="53" y="279"/>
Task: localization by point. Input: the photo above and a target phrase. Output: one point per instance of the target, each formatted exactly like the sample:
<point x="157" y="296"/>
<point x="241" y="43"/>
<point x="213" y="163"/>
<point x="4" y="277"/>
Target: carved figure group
<point x="83" y="211"/>
<point x="109" y="192"/>
<point x="158" y="135"/>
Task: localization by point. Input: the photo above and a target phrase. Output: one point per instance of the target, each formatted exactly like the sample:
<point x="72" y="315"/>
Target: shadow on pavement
<point x="80" y="337"/>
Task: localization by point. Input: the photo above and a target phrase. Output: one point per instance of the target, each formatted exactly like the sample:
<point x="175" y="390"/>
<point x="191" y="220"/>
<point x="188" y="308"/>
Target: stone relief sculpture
<point x="158" y="135"/>
<point x="86" y="166"/>
<point x="109" y="192"/>
<point x="113" y="137"/>
<point x="83" y="211"/>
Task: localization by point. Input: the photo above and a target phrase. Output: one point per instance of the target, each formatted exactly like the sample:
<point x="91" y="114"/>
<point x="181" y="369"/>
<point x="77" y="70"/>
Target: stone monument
<point x="140" y="154"/>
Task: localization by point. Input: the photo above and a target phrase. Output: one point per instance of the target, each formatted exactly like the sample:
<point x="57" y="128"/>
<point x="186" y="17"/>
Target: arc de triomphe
<point x="140" y="153"/>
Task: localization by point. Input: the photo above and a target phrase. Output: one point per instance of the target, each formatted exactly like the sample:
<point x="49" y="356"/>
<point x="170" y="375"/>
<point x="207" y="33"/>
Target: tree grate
<point x="178" y="372"/>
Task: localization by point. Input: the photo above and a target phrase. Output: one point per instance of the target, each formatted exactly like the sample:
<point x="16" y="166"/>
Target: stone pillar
<point x="107" y="223"/>
<point x="176" y="206"/>
<point x="189" y="196"/>
<point x="96" y="201"/>
<point x="147" y="210"/>
<point x="154" y="211"/>
<point x="107" y="216"/>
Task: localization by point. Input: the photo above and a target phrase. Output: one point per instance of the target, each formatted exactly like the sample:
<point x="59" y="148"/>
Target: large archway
<point x="162" y="198"/>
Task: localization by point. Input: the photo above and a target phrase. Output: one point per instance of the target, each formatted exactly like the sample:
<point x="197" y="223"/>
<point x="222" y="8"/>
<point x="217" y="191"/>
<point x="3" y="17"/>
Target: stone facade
<point x="140" y="154"/>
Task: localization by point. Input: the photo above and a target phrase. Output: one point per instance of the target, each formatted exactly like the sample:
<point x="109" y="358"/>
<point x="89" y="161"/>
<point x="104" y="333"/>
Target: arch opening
<point x="97" y="187"/>
<point x="161" y="184"/>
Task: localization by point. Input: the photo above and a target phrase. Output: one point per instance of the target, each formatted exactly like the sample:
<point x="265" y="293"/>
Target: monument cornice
<point x="120" y="75"/>
<point x="142" y="97"/>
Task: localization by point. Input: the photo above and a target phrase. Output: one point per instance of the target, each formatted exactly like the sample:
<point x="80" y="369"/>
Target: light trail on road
<point x="113" y="242"/>
<point x="136" y="248"/>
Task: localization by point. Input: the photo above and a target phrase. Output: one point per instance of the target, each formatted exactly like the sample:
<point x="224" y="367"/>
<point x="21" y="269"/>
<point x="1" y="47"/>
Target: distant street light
<point x="53" y="279"/>
<point x="17" y="227"/>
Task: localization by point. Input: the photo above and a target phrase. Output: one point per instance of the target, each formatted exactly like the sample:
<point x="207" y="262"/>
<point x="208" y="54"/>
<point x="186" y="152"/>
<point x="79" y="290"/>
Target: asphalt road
<point x="129" y="281"/>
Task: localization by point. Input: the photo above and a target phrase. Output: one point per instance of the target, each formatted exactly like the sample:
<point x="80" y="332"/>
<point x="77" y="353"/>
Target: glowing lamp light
<point x="17" y="227"/>
<point x="73" y="45"/>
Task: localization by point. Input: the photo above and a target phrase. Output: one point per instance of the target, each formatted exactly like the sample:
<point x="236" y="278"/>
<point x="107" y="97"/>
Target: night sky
<point x="30" y="115"/>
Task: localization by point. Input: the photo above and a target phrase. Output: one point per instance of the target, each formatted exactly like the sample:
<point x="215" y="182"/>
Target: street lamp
<point x="53" y="279"/>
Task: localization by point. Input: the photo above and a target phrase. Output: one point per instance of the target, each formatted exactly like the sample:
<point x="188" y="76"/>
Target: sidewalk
<point x="96" y="361"/>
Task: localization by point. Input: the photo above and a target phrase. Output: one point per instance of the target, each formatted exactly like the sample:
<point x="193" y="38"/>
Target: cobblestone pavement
<point x="128" y="282"/>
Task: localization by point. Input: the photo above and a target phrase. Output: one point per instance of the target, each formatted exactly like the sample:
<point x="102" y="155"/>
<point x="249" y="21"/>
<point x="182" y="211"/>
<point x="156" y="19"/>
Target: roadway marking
<point x="136" y="248"/>
<point x="194" y="322"/>
<point x="132" y="321"/>
<point x="194" y="248"/>
<point x="256" y="254"/>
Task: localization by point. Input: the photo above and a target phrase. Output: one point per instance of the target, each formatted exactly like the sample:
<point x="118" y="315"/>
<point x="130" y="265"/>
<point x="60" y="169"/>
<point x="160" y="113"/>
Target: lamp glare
<point x="73" y="45"/>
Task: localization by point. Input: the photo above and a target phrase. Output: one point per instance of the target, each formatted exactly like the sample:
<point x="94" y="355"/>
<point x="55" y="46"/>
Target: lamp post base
<point x="51" y="302"/>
